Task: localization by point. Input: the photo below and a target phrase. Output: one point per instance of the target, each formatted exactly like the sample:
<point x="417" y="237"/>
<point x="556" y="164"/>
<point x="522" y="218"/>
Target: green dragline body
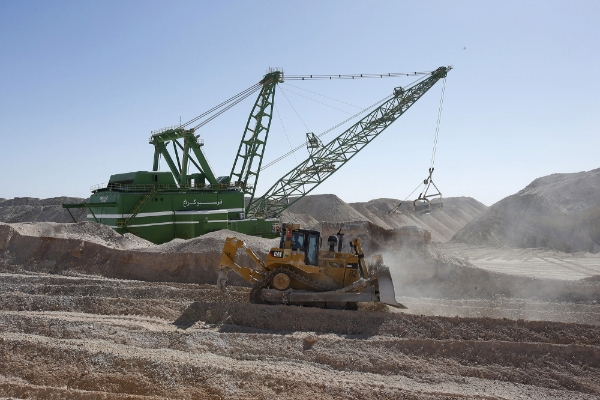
<point x="160" y="206"/>
<point x="152" y="206"/>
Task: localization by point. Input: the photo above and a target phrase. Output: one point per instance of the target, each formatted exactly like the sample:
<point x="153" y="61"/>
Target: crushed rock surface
<point x="30" y="209"/>
<point x="83" y="231"/>
<point x="72" y="327"/>
<point x="89" y="337"/>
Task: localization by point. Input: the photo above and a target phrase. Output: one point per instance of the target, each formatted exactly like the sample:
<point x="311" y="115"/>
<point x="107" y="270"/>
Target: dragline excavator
<point x="180" y="203"/>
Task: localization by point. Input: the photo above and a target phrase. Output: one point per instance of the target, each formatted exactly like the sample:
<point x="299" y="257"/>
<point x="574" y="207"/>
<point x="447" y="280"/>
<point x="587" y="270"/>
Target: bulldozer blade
<point x="387" y="294"/>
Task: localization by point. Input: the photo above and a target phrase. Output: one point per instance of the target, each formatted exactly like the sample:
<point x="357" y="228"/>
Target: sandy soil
<point x="539" y="263"/>
<point x="89" y="337"/>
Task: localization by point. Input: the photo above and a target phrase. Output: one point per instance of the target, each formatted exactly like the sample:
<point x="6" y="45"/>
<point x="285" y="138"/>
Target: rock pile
<point x="326" y="207"/>
<point x="442" y="224"/>
<point x="29" y="209"/>
<point x="558" y="211"/>
<point x="88" y="247"/>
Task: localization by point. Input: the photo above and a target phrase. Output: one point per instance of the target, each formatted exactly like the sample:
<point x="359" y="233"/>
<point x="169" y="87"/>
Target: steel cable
<point x="317" y="101"/>
<point x="437" y="126"/>
<point x="355" y="76"/>
<point x="224" y="109"/>
<point x="403" y="201"/>
<point x="244" y="93"/>
<point x="286" y="134"/>
<point x="327" y="131"/>
<point x="288" y="100"/>
<point x="322" y="95"/>
<point x="340" y="124"/>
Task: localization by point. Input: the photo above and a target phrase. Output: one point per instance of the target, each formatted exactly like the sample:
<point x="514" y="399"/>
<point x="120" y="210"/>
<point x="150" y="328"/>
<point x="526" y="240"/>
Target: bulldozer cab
<point x="302" y="240"/>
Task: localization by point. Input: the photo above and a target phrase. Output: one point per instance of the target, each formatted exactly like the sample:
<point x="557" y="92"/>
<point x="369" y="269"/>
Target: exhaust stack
<point x="340" y="236"/>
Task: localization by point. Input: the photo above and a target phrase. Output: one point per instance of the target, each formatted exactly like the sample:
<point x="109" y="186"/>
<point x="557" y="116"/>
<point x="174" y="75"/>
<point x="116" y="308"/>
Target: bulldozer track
<point x="256" y="297"/>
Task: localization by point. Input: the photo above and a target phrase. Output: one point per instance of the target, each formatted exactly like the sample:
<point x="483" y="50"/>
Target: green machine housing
<point x="152" y="206"/>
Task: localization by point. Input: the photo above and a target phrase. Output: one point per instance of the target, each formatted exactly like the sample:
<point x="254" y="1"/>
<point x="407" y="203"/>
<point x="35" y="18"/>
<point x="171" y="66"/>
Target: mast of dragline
<point x="322" y="163"/>
<point x="191" y="143"/>
<point x="248" y="160"/>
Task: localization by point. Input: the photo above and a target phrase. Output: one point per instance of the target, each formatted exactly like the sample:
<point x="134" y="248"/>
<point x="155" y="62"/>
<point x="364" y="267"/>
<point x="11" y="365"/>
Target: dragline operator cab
<point x="301" y="240"/>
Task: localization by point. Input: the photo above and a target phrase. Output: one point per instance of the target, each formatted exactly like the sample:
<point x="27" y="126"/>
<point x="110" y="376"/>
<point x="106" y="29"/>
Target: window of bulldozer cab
<point x="313" y="250"/>
<point x="298" y="241"/>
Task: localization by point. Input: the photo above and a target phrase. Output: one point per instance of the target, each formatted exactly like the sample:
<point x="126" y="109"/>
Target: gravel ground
<point x="89" y="337"/>
<point x="28" y="209"/>
<point x="71" y="327"/>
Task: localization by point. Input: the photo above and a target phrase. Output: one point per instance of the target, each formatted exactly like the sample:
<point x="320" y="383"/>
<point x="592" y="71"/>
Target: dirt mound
<point x="326" y="207"/>
<point x="559" y="211"/>
<point x="213" y="242"/>
<point x="306" y="221"/>
<point x="442" y="224"/>
<point x="89" y="232"/>
<point x="29" y="209"/>
<point x="88" y="247"/>
<point x="33" y="201"/>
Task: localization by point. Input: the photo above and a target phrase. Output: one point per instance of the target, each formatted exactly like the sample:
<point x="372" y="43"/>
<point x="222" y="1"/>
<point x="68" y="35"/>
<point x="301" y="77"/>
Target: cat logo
<point x="278" y="254"/>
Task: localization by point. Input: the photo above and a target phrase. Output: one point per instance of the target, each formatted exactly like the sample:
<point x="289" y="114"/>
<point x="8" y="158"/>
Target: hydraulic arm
<point x="322" y="163"/>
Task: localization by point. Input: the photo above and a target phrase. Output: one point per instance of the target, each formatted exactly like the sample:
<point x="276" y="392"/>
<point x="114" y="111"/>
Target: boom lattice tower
<point x="322" y="163"/>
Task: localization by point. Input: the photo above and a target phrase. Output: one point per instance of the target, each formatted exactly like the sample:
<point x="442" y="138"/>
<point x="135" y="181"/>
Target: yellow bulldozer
<point x="299" y="273"/>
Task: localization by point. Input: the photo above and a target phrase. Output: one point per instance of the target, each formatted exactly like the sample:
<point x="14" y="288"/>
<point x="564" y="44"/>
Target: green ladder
<point x="124" y="222"/>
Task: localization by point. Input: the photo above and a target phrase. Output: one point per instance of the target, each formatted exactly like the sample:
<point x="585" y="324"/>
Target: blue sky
<point x="83" y="83"/>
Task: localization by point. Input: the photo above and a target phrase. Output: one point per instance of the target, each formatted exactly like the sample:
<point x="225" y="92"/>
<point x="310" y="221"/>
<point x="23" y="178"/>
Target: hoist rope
<point x="428" y="181"/>
<point x="437" y="126"/>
